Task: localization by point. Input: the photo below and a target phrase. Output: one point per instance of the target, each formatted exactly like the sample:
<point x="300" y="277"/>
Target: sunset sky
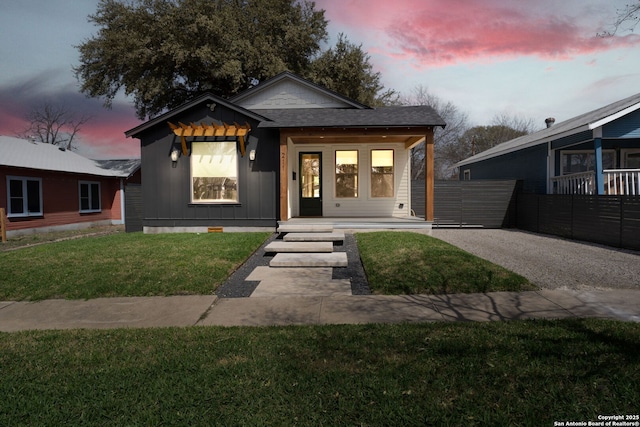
<point x="488" y="57"/>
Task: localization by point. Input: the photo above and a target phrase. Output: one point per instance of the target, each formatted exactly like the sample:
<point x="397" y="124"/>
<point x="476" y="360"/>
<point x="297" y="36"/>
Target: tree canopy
<point x="165" y="52"/>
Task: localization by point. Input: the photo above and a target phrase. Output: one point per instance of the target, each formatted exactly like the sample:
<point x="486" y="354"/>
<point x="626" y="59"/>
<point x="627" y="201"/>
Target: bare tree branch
<point x="53" y="124"/>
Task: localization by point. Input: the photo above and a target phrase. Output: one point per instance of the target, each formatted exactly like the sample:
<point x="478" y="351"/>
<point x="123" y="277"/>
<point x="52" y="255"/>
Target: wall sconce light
<point x="252" y="155"/>
<point x="174" y="157"/>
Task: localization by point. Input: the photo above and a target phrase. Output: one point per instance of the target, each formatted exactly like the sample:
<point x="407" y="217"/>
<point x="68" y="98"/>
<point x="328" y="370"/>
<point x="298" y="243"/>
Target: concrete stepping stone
<point x="274" y="288"/>
<point x="336" y="236"/>
<point x="305" y="228"/>
<point x="290" y="274"/>
<point x="333" y="259"/>
<point x="279" y="246"/>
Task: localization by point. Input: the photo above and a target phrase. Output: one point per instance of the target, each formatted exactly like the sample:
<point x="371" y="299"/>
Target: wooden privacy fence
<point x="481" y="203"/>
<point x="3" y="225"/>
<point x="607" y="220"/>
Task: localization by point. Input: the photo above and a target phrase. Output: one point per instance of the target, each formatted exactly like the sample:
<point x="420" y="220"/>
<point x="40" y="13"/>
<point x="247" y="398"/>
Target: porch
<point x="615" y="182"/>
<point x="362" y="223"/>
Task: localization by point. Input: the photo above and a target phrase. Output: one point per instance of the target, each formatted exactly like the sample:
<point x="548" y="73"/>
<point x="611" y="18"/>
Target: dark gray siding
<point x="133" y="207"/>
<point x="166" y="195"/>
<point x="528" y="165"/>
<point x="489" y="204"/>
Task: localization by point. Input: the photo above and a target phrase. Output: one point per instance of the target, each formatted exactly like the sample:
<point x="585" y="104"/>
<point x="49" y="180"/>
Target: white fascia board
<point x="543" y="140"/>
<point x="615" y="116"/>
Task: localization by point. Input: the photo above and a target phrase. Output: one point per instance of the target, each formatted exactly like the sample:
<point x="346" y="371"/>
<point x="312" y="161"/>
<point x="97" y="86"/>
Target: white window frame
<point x="393" y="174"/>
<point x="624" y="153"/>
<point x="194" y="158"/>
<point x="89" y="185"/>
<point x="591" y="152"/>
<point x="466" y="175"/>
<point x="336" y="174"/>
<point x="25" y="198"/>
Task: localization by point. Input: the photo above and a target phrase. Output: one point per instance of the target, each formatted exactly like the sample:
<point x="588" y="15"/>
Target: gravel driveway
<point x="550" y="262"/>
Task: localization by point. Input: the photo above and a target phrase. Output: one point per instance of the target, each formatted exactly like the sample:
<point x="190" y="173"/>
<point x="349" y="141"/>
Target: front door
<point x="310" y="184"/>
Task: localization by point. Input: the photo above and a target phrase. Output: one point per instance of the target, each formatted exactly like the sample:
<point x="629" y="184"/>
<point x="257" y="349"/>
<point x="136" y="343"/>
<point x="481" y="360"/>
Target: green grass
<point x="527" y="373"/>
<point x="131" y="264"/>
<point x="412" y="263"/>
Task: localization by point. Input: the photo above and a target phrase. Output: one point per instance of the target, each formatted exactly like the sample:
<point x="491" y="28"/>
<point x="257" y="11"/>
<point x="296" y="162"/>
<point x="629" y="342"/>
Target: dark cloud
<point x="102" y="134"/>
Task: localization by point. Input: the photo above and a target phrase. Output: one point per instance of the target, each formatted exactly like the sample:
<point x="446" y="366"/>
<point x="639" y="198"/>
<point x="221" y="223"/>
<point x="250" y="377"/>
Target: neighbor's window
<point x="214" y="172"/>
<point x="89" y="196"/>
<point x="631" y="159"/>
<point x="467" y="174"/>
<point x="347" y="173"/>
<point x="381" y="173"/>
<point x="584" y="161"/>
<point x="24" y="196"/>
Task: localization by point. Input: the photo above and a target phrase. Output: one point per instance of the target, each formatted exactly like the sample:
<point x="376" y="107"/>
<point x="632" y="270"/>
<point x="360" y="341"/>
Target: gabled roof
<point x="352" y="118"/>
<point x="585" y="122"/>
<point x="126" y="166"/>
<point x="22" y="153"/>
<point x="207" y="97"/>
<point x="287" y="75"/>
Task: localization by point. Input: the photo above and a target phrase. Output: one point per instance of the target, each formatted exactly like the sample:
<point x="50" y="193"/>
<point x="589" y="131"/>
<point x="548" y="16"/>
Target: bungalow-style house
<point x="47" y="188"/>
<point x="594" y="153"/>
<point x="283" y="149"/>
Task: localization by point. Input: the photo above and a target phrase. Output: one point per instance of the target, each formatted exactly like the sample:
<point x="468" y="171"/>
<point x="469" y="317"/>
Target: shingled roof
<point x="412" y="116"/>
<point x="584" y="122"/>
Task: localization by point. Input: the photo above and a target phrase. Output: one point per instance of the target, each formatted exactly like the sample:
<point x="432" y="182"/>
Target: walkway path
<point x="209" y="310"/>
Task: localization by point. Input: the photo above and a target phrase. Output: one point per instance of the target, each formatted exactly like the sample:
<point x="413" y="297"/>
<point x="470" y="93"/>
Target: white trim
<point x="614" y="116"/>
<point x="25" y="198"/>
<point x="122" y="200"/>
<point x="89" y="184"/>
<point x="623" y="154"/>
<point x="591" y="152"/>
<point x="466" y="175"/>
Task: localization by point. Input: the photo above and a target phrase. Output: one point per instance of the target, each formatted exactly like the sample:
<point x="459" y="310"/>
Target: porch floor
<point x="363" y="223"/>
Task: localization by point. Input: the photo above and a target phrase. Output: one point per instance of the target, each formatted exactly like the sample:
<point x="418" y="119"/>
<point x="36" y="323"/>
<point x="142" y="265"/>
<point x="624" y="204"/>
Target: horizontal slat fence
<point x="481" y="203"/>
<point x="607" y="220"/>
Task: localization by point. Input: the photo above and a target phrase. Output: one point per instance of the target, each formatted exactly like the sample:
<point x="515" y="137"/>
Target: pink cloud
<point x="447" y="32"/>
<point x="102" y="135"/>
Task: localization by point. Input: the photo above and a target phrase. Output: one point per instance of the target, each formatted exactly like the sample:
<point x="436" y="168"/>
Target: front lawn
<point x="521" y="373"/>
<point x="131" y="264"/>
<point x="412" y="263"/>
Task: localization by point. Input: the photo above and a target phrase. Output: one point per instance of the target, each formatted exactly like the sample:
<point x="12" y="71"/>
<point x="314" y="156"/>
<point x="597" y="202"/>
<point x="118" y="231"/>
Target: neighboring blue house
<point x="594" y="153"/>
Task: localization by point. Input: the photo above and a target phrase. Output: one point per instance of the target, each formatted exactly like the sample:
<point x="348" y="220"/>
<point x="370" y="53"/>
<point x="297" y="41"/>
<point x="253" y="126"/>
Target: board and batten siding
<point x="364" y="205"/>
<point x="167" y="189"/>
<point x="290" y="95"/>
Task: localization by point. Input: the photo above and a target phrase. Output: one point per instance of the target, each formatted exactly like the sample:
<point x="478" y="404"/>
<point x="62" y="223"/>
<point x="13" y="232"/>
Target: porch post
<point x="597" y="145"/>
<point x="284" y="178"/>
<point x="429" y="185"/>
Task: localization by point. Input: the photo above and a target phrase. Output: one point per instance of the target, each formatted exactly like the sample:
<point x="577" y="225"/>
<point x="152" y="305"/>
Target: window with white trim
<point x="584" y="161"/>
<point x="24" y="196"/>
<point x="89" y="192"/>
<point x="346" y="173"/>
<point x="214" y="172"/>
<point x="631" y="159"/>
<point x="381" y="173"/>
<point x="466" y="174"/>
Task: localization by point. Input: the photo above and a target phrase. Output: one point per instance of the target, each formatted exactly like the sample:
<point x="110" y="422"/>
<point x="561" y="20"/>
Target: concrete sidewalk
<point x="209" y="310"/>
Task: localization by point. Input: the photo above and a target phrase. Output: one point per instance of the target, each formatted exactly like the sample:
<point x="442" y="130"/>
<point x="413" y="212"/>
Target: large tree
<point x="165" y="52"/>
<point x="626" y="20"/>
<point x="457" y="123"/>
<point x="346" y="69"/>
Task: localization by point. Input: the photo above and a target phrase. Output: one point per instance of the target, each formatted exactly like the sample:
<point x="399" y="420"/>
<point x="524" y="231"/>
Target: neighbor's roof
<point x="585" y="122"/>
<point x="22" y="153"/>
<point x="347" y="117"/>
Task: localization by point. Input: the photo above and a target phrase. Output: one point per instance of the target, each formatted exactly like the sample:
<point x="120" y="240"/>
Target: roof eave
<point x="131" y="133"/>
